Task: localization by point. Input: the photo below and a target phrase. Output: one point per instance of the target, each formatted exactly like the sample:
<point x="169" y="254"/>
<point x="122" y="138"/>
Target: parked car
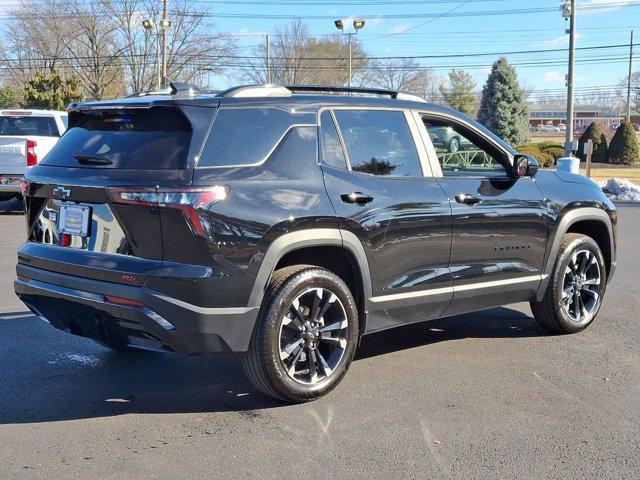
<point x="546" y="128"/>
<point x="579" y="130"/>
<point x="449" y="140"/>
<point x="26" y="136"/>
<point x="561" y="127"/>
<point x="284" y="223"/>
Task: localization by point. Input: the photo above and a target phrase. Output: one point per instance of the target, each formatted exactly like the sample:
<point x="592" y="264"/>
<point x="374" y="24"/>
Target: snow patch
<point x="621" y="190"/>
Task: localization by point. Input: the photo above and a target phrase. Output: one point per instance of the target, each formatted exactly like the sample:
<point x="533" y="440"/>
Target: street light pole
<point x="149" y="26"/>
<point x="358" y="24"/>
<point x="569" y="10"/>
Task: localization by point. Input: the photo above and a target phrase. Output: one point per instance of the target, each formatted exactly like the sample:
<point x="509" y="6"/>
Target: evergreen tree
<point x="503" y="109"/>
<point x="9" y="97"/>
<point x="593" y="133"/>
<point x="601" y="155"/>
<point x="50" y="91"/>
<point x="459" y="92"/>
<point x="624" y="148"/>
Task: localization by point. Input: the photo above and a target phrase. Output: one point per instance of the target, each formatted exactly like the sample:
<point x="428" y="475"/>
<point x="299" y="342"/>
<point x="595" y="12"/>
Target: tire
<point x="454" y="145"/>
<point x="280" y="332"/>
<point x="557" y="311"/>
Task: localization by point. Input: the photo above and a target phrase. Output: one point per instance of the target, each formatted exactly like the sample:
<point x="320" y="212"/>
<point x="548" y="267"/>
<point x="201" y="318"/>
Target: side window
<point x="246" y="136"/>
<point x="332" y="152"/>
<point x="379" y="142"/>
<point x="461" y="154"/>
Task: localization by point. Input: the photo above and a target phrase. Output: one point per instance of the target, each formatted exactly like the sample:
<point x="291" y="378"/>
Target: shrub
<point x="624" y="147"/>
<point x="594" y="133"/>
<point x="555" y="152"/>
<point x="601" y="152"/>
<point x="544" y="159"/>
<point x="549" y="144"/>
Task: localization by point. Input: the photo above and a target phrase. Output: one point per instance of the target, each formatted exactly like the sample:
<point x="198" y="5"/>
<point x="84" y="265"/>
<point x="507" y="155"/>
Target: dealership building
<point x="545" y="115"/>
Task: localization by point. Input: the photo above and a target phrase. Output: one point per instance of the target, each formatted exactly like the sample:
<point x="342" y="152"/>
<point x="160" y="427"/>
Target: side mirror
<point x="526" y="165"/>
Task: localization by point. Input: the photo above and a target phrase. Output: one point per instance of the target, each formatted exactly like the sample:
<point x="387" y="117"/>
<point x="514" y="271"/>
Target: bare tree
<point x="299" y="58"/>
<point x="404" y="74"/>
<point x="29" y="43"/>
<point x="287" y="49"/>
<point x="635" y="91"/>
<point x="196" y="48"/>
<point x="103" y="44"/>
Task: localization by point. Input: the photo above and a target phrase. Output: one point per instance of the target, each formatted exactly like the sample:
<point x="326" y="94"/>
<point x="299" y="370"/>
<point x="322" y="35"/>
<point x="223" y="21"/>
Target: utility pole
<point x="268" y="61"/>
<point x="629" y="79"/>
<point x="569" y="11"/>
<point x="165" y="24"/>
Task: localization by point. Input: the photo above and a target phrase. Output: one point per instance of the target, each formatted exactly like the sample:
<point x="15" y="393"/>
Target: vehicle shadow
<point x="47" y="375"/>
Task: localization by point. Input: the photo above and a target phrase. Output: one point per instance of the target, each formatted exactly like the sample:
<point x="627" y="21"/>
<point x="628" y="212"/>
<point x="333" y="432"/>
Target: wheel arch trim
<point x="568" y="219"/>
<point x="313" y="237"/>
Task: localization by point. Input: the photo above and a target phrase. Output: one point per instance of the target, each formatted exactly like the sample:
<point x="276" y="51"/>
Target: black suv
<point x="287" y="222"/>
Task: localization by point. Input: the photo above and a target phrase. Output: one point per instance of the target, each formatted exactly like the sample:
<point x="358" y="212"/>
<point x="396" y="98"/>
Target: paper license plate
<point x="74" y="219"/>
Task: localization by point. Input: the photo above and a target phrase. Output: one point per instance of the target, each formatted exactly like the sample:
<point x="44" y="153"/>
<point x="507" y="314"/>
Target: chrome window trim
<point x="407" y="114"/>
<point x="269" y="153"/>
<point x="443" y="116"/>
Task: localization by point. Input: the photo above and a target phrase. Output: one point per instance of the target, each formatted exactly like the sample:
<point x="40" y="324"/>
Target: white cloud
<point x="485" y="70"/>
<point x="601" y="4"/>
<point x="560" y="40"/>
<point x="399" y="28"/>
<point x="552" y="77"/>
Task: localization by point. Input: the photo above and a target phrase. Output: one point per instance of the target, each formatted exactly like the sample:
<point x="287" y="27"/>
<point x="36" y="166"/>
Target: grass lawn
<point x="632" y="174"/>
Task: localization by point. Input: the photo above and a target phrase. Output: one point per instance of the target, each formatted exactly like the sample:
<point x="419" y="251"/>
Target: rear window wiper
<point x="92" y="160"/>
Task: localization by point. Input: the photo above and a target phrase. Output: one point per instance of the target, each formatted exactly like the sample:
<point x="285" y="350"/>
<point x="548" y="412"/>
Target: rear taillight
<point x="32" y="158"/>
<point x="192" y="202"/>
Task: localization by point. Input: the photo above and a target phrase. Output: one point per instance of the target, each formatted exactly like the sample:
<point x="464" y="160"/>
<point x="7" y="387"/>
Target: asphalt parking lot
<point x="487" y="395"/>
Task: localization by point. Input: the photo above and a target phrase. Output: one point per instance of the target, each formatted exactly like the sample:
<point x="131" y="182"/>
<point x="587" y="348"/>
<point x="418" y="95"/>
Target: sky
<point x="456" y="27"/>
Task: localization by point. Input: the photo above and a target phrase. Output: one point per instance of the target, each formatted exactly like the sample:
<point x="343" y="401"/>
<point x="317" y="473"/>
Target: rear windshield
<point x="29" y="126"/>
<point x="138" y="139"/>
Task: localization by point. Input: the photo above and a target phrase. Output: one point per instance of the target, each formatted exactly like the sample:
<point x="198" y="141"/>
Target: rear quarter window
<point x="247" y="136"/>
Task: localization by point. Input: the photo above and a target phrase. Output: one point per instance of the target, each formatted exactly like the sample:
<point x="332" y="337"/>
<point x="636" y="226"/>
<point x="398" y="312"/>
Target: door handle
<point x="467" y="199"/>
<point x="358" y="198"/>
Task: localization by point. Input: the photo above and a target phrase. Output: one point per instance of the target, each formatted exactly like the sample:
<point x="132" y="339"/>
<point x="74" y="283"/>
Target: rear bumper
<point x="10" y="184"/>
<point x="78" y="305"/>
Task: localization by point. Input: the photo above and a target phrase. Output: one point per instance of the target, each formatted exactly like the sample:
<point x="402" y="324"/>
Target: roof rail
<point x="246" y="91"/>
<point x="269" y="90"/>
<point x="337" y="89"/>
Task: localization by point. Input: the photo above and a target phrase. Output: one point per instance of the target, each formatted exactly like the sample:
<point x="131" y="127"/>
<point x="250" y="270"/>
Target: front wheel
<point x="305" y="336"/>
<point x="575" y="291"/>
<point x="454" y="145"/>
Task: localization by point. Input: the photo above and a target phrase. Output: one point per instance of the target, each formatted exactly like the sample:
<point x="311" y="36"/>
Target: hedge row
<point x="545" y="152"/>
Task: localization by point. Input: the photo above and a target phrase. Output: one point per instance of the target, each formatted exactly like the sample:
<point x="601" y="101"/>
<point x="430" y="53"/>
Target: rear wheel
<point x="305" y="336"/>
<point x="575" y="291"/>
